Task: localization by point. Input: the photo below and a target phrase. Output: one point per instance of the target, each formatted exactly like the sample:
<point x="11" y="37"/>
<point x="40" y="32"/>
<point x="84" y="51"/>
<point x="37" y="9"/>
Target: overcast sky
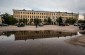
<point x="47" y="5"/>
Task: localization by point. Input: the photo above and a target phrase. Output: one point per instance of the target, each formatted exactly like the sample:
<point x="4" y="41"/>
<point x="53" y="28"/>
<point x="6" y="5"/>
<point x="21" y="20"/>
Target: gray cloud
<point x="50" y="5"/>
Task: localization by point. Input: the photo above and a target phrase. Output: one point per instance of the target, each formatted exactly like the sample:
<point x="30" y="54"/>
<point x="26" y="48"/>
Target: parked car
<point x="3" y="24"/>
<point x="67" y="24"/>
<point x="16" y="24"/>
<point x="82" y="26"/>
<point x="76" y="24"/>
<point x="62" y="24"/>
<point x="40" y="24"/>
<point x="0" y="24"/>
<point x="20" y="25"/>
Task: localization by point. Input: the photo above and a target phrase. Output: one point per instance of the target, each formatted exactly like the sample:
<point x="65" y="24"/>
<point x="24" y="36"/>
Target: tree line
<point x="10" y="20"/>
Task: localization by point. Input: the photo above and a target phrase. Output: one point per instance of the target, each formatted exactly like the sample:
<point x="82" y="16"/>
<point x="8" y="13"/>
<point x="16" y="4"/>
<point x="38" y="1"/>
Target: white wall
<point x="81" y="17"/>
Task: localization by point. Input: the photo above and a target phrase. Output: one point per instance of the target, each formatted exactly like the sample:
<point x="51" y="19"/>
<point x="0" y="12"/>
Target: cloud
<point x="50" y="5"/>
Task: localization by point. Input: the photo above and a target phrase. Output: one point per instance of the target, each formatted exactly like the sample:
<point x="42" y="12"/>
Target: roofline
<point x="44" y="11"/>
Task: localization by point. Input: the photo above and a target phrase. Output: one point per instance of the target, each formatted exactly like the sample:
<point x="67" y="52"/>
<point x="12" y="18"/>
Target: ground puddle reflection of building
<point x="24" y="35"/>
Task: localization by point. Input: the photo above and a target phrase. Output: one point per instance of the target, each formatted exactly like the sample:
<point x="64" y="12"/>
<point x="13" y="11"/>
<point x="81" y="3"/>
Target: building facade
<point x="84" y="16"/>
<point x="31" y="14"/>
<point x="81" y="17"/>
<point x="0" y="19"/>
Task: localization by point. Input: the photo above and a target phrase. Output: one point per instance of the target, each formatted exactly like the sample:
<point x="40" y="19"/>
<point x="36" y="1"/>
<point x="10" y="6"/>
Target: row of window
<point x="29" y="19"/>
<point x="31" y="16"/>
<point x="38" y="16"/>
<point x="30" y="13"/>
<point x="38" y="13"/>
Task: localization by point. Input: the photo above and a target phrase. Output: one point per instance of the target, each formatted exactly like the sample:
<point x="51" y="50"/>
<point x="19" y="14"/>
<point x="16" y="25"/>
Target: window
<point x="34" y="16"/>
<point x="46" y="17"/>
<point x="21" y="16"/>
<point x="21" y="12"/>
<point x="42" y="13"/>
<point x="38" y="16"/>
<point x="56" y="16"/>
<point x="28" y="19"/>
<point x="42" y="16"/>
<point x="30" y="16"/>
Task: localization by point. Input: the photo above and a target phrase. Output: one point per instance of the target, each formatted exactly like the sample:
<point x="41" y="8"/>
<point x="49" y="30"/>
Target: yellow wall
<point x="30" y="14"/>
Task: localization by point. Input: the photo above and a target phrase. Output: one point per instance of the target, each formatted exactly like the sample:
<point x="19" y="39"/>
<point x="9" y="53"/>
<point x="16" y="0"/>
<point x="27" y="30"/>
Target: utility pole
<point x="77" y="17"/>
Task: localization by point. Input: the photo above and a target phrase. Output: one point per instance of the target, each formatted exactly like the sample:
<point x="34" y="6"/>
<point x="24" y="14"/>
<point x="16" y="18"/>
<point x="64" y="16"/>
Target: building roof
<point x="45" y="11"/>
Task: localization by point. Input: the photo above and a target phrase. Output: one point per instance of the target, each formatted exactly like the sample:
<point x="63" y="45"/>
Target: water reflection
<point x="39" y="46"/>
<point x="24" y="35"/>
<point x="7" y="33"/>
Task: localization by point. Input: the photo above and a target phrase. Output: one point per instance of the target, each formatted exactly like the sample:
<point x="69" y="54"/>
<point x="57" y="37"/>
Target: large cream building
<point x="31" y="14"/>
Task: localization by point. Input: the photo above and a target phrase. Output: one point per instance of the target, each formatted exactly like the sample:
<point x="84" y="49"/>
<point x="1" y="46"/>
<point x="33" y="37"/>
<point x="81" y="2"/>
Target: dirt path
<point x="46" y="27"/>
<point x="78" y="41"/>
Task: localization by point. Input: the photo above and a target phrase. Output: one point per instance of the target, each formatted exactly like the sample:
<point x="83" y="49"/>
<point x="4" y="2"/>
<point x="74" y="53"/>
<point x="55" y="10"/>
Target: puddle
<point x="38" y="43"/>
<point x="23" y="35"/>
